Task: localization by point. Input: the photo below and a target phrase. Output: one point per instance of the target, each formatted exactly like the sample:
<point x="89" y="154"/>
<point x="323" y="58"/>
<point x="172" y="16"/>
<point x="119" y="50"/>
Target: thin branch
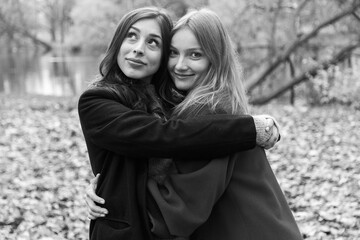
<point x="272" y="40"/>
<point x="357" y="17"/>
<point x="24" y="32"/>
<point x="301" y="7"/>
<point x="296" y="17"/>
<point x="339" y="57"/>
<point x="261" y="77"/>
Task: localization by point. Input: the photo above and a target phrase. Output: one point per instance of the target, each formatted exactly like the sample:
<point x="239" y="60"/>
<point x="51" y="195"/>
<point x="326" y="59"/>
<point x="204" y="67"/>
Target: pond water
<point x="47" y="74"/>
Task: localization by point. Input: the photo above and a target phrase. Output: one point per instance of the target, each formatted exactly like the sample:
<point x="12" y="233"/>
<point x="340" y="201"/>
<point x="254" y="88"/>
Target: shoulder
<point x="199" y="110"/>
<point x="103" y="92"/>
<point x="94" y="91"/>
<point x="207" y="110"/>
<point x="97" y="94"/>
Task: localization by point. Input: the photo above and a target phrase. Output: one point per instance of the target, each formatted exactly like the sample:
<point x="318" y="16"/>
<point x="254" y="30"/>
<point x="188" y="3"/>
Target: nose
<point x="181" y="64"/>
<point x="139" y="47"/>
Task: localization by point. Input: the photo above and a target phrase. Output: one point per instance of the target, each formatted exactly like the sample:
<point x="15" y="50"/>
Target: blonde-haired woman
<point x="237" y="197"/>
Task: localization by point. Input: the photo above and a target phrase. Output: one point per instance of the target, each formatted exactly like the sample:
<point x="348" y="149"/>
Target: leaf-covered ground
<point x="44" y="169"/>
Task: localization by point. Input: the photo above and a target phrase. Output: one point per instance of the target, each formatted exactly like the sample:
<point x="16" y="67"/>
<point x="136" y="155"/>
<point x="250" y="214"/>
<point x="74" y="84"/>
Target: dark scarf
<point x="159" y="168"/>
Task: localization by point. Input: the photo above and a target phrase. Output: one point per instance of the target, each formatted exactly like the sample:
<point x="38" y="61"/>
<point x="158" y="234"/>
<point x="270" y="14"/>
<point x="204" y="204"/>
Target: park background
<point x="301" y="64"/>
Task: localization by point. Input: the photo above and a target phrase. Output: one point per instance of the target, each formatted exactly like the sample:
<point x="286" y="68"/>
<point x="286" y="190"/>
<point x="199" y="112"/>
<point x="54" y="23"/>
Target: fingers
<point x="90" y="191"/>
<point x="273" y="138"/>
<point x="94" y="210"/>
<point x="269" y="125"/>
<point x="93" y="215"/>
<point x="94" y="181"/>
<point x="91" y="199"/>
<point x="272" y="128"/>
<point x="276" y="134"/>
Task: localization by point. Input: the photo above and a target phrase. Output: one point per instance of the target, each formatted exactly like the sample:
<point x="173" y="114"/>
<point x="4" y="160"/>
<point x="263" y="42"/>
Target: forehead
<point x="147" y="27"/>
<point x="184" y="38"/>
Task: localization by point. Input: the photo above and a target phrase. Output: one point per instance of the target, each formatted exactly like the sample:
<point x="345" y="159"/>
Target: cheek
<point x="155" y="60"/>
<point x="171" y="63"/>
<point x="203" y="67"/>
<point x="119" y="60"/>
<point x="124" y="49"/>
<point x="121" y="55"/>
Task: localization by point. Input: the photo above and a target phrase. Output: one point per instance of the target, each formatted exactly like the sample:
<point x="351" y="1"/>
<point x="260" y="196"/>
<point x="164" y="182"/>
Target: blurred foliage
<point x="335" y="85"/>
<point x="317" y="166"/>
<point x="255" y="25"/>
<point x="92" y="29"/>
<point x="269" y="35"/>
<point x="45" y="169"/>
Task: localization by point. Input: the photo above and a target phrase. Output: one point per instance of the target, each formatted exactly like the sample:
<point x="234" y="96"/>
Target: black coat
<point x="252" y="207"/>
<point x="119" y="142"/>
<point x="230" y="198"/>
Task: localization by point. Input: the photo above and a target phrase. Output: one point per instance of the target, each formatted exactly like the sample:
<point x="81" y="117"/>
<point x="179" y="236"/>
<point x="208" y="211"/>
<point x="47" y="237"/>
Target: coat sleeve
<point x="111" y="125"/>
<point x="186" y="200"/>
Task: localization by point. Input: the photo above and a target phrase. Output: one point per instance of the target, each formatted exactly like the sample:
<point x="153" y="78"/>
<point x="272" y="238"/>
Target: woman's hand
<point x="91" y="199"/>
<point x="267" y="131"/>
<point x="273" y="129"/>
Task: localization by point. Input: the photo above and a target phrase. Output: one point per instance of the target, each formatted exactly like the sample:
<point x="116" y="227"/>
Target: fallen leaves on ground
<point x="44" y="169"/>
<point x="317" y="165"/>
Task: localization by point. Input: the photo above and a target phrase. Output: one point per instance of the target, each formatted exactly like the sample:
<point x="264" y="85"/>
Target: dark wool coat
<point x="119" y="142"/>
<point x="232" y="198"/>
<point x="253" y="206"/>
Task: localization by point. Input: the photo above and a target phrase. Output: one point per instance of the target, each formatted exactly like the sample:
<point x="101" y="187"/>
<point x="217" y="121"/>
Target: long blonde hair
<point x="221" y="87"/>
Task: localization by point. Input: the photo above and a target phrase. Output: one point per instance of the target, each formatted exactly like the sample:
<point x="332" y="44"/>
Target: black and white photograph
<point x="180" y="119"/>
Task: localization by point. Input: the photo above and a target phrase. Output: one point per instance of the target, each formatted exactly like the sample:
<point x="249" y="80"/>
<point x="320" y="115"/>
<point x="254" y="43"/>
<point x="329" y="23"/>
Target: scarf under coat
<point x="160" y="168"/>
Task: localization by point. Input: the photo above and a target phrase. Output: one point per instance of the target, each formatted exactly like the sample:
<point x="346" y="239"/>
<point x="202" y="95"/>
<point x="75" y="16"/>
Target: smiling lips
<point x="135" y="61"/>
<point x="182" y="76"/>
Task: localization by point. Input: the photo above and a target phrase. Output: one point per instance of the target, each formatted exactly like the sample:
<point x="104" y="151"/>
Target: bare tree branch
<point x="357" y="17"/>
<point x="296" y="17"/>
<point x="261" y="76"/>
<point x="24" y="32"/>
<point x="272" y="40"/>
<point x="301" y="7"/>
<point x="339" y="57"/>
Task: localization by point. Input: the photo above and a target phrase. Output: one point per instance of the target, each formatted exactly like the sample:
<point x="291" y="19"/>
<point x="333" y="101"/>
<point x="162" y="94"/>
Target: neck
<point x="146" y="81"/>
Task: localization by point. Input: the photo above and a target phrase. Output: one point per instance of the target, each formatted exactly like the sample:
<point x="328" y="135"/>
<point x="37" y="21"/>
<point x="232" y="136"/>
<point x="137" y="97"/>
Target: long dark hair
<point x="112" y="78"/>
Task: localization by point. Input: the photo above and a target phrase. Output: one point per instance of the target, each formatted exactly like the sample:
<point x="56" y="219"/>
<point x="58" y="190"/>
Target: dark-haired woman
<point x="124" y="123"/>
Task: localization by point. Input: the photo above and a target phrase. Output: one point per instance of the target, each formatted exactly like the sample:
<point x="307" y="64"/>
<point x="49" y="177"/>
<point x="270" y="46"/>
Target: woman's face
<point x="187" y="60"/>
<point x="140" y="53"/>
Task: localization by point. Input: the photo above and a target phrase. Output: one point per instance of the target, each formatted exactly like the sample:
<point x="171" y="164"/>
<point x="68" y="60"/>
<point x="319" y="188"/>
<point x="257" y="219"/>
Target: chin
<point x="181" y="87"/>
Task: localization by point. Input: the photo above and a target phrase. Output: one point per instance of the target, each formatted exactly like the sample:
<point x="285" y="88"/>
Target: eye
<point x="131" y="35"/>
<point x="196" y="55"/>
<point x="173" y="53"/>
<point x="154" y="42"/>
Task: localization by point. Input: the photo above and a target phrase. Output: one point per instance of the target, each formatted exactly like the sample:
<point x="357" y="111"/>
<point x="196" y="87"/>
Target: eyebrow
<point x="151" y="34"/>
<point x="188" y="49"/>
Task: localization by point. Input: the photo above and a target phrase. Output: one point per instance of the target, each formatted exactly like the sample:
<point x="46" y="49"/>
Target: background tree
<point x="281" y="43"/>
<point x="33" y="24"/>
<point x="304" y="33"/>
